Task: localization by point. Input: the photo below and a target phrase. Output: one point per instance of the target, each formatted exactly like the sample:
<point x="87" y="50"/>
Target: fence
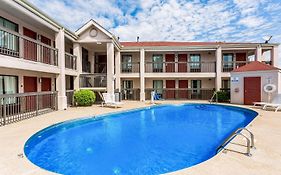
<point x="180" y="94"/>
<point x="17" y="107"/>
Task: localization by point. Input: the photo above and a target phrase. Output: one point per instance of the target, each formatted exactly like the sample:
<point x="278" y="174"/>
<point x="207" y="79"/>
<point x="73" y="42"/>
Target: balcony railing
<point x="179" y="67"/>
<point x="17" y="107"/>
<point x="93" y="80"/>
<point x="16" y="45"/>
<point x="70" y="61"/>
<point x="130" y="94"/>
<point x="180" y="93"/>
<point x="228" y="66"/>
<point x="133" y="67"/>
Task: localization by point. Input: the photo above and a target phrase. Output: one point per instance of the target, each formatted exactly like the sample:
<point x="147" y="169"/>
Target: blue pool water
<point x="147" y="141"/>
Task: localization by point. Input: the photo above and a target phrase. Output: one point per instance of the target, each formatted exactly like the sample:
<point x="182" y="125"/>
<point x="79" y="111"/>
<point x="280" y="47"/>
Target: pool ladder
<point x="249" y="141"/>
<point x="212" y="98"/>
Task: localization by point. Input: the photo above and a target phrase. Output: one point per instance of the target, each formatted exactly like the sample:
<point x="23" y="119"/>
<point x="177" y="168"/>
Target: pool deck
<point x="265" y="159"/>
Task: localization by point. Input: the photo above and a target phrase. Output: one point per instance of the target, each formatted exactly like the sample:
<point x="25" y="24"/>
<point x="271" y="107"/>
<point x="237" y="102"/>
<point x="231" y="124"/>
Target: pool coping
<point x="112" y="114"/>
<point x="265" y="122"/>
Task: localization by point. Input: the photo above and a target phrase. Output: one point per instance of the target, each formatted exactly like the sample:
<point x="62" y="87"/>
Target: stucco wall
<point x="238" y="97"/>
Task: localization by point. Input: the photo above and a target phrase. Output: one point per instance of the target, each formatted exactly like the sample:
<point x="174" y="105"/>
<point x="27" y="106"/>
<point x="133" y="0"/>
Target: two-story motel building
<point x="39" y="56"/>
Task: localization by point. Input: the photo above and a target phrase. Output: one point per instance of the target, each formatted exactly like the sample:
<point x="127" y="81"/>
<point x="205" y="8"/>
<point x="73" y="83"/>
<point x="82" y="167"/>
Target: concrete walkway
<point x="266" y="158"/>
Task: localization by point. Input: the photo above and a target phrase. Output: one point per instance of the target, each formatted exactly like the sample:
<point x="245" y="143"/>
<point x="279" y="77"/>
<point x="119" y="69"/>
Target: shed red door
<point x="45" y="100"/>
<point x="30" y="48"/>
<point x="183" y="86"/>
<point x="170" y="62"/>
<point x="30" y="85"/>
<point x="252" y="90"/>
<point x="182" y="65"/>
<point x="46" y="51"/>
<point x="170" y="85"/>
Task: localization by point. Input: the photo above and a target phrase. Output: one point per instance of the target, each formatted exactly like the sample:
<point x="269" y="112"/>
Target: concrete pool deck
<point x="266" y="158"/>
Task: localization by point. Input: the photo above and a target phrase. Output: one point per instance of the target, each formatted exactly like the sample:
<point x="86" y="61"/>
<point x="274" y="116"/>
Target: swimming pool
<point x="152" y="140"/>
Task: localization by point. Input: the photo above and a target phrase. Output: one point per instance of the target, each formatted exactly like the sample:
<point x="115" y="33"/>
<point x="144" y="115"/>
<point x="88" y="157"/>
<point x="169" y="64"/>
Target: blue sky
<point x="173" y="20"/>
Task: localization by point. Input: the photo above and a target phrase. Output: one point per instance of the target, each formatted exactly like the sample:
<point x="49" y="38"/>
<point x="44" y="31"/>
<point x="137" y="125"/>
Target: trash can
<point x="117" y="96"/>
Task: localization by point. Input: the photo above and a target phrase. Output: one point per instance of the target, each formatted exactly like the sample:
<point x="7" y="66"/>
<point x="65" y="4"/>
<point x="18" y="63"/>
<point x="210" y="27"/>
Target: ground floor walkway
<point x="266" y="158"/>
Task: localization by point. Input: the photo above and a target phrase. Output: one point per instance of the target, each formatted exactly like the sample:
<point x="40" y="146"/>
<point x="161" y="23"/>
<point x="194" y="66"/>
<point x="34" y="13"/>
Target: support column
<point x="77" y="51"/>
<point x="142" y="79"/>
<point x="274" y="56"/>
<point x="117" y="70"/>
<point x="62" y="101"/>
<point x="110" y="68"/>
<point x="259" y="53"/>
<point x="218" y="68"/>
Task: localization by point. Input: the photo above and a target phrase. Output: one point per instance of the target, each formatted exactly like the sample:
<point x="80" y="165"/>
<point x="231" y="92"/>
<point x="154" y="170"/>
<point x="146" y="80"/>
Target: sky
<point x="173" y="20"/>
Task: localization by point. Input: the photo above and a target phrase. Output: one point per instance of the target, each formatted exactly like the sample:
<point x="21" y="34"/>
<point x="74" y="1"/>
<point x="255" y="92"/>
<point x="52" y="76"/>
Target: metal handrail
<point x="212" y="98"/>
<point x="250" y="142"/>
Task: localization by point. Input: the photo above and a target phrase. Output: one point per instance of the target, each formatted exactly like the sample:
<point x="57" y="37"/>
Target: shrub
<point x="223" y="96"/>
<point x="84" y="97"/>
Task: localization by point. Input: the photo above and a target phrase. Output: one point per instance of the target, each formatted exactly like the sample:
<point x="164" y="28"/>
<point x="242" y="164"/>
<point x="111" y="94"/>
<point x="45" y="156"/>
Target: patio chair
<point x="109" y="100"/>
<point x="276" y="103"/>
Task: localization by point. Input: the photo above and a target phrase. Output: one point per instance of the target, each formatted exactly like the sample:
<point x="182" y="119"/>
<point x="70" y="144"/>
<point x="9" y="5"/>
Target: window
<point x="8" y="85"/>
<point x="158" y="87"/>
<point x="127" y="63"/>
<point x="127" y="88"/>
<point x="86" y="65"/>
<point x="7" y="40"/>
<point x="226" y="84"/>
<point x="157" y="63"/>
<point x="227" y="60"/>
<point x="196" y="86"/>
<point x="195" y="64"/>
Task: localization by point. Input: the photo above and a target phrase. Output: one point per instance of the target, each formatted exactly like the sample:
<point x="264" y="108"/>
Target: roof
<point x="44" y="16"/>
<point x="255" y="66"/>
<point x="166" y="43"/>
<point x="179" y="43"/>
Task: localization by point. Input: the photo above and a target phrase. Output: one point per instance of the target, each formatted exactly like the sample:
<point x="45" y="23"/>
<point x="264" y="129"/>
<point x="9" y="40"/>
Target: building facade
<point x="38" y="55"/>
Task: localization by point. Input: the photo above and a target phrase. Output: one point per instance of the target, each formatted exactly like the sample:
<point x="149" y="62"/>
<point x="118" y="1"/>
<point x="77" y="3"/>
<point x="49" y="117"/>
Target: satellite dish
<point x="266" y="38"/>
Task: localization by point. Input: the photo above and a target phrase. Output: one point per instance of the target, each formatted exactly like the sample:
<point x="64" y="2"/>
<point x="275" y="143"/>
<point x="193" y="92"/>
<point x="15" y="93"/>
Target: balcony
<point x="130" y="67"/>
<point x="16" y="45"/>
<point x="93" y="80"/>
<point x="70" y="61"/>
<point x="228" y="66"/>
<point x="180" y="67"/>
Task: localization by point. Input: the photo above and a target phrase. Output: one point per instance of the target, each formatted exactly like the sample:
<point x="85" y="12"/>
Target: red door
<point x="252" y="90"/>
<point x="170" y="85"/>
<point x="240" y="58"/>
<point x="170" y="62"/>
<point x="182" y="66"/>
<point x="46" y="85"/>
<point x="30" y="85"/>
<point x="46" y="51"/>
<point x="183" y="86"/>
<point x="30" y="48"/>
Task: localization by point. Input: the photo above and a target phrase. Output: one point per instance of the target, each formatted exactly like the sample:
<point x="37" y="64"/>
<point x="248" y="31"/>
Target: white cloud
<point x="252" y="21"/>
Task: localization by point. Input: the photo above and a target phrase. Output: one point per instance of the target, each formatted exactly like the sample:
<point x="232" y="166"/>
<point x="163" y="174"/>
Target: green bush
<point x="84" y="97"/>
<point x="223" y="96"/>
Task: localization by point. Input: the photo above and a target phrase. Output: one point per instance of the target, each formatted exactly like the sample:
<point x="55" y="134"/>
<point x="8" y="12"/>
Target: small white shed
<point x="255" y="82"/>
